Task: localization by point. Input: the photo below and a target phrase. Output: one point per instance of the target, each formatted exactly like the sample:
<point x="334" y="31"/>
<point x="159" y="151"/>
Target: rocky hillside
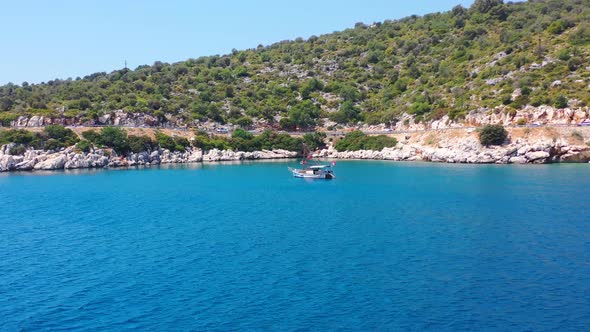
<point x="515" y="63"/>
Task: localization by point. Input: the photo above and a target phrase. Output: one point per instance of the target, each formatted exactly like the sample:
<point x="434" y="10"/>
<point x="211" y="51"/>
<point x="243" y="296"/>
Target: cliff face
<point x="114" y="118"/>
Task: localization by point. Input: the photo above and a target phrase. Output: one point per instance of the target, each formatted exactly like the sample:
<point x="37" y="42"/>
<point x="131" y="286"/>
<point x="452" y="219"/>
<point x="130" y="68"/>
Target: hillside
<point x="502" y="61"/>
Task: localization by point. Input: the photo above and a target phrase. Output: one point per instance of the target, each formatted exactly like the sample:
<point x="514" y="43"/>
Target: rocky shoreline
<point x="69" y="158"/>
<point x="471" y="152"/>
<point x="464" y="148"/>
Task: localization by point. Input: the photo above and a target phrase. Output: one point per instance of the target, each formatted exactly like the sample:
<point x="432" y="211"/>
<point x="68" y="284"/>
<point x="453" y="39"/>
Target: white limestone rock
<point x="56" y="161"/>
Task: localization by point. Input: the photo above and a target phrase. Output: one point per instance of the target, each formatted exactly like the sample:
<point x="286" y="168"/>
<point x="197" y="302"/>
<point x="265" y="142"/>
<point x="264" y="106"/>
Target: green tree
<point x="357" y="140"/>
<point x="492" y="135"/>
<point x="348" y="113"/>
<point x="315" y="140"/>
<point x="140" y="143"/>
<point x="244" y="122"/>
<point x="484" y="6"/>
<point x="304" y="115"/>
<point x="115" y="138"/>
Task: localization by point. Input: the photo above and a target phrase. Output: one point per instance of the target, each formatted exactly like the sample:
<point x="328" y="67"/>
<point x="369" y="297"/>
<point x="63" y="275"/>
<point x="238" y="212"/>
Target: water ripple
<point x="411" y="247"/>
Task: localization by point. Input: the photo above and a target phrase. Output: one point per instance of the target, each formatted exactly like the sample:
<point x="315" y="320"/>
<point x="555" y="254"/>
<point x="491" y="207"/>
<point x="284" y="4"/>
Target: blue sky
<point x="43" y="40"/>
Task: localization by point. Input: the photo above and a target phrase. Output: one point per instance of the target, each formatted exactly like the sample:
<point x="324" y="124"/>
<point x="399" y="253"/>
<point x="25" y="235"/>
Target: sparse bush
<point x="578" y="136"/>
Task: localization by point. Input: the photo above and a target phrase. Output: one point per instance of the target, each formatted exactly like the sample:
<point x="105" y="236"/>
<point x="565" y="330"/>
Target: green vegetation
<point x="357" y="140"/>
<point x="438" y="64"/>
<point x="242" y="140"/>
<point x="492" y="135"/>
<point x="51" y="138"/>
<point x="171" y="143"/>
<point x="118" y="140"/>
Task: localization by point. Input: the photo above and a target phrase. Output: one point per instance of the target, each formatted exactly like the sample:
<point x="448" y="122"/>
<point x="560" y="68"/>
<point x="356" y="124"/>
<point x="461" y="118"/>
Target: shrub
<point x="61" y="136"/>
<point x="7" y="118"/>
<point x="53" y="144"/>
<point x="18" y="136"/>
<point x="17" y="150"/>
<point x="241" y="133"/>
<point x="357" y="140"/>
<point x="140" y="143"/>
<point x="91" y="136"/>
<point x="564" y="54"/>
<point x="560" y="102"/>
<point x="492" y="135"/>
<point x="171" y="143"/>
<point x="84" y="146"/>
<point x="578" y="136"/>
<point x="559" y="26"/>
<point x="244" y="122"/>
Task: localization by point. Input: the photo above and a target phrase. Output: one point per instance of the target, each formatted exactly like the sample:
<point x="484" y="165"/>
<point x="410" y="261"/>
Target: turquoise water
<point x="385" y="246"/>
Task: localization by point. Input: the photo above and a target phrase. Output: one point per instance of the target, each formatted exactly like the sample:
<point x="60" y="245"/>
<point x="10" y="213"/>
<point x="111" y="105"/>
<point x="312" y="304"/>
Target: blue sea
<point x="223" y="247"/>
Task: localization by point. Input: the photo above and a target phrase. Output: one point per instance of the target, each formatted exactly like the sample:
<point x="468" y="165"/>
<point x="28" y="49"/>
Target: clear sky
<point x="42" y="40"/>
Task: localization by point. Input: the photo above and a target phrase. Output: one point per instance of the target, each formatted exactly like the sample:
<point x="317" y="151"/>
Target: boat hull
<point x="307" y="174"/>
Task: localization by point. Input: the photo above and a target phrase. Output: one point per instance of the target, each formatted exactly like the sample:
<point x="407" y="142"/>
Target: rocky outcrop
<point x="470" y="151"/>
<point x="114" y="118"/>
<point x="541" y="115"/>
<point x="55" y="161"/>
<point x="229" y="155"/>
<point x="70" y="158"/>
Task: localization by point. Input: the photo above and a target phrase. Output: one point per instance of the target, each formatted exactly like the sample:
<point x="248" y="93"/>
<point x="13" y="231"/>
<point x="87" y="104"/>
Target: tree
<point x="315" y="140"/>
<point x="492" y="135"/>
<point x="244" y="122"/>
<point x="59" y="136"/>
<point x="241" y="133"/>
<point x="484" y="6"/>
<point x="140" y="143"/>
<point x="304" y="115"/>
<point x="171" y="143"/>
<point x="348" y="113"/>
<point x="115" y="138"/>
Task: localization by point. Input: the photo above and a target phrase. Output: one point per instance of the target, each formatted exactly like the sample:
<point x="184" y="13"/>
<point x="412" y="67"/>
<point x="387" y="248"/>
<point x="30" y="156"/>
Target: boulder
<point x="537" y="156"/>
<point x="8" y="163"/>
<point x="518" y="160"/>
<point x="54" y="162"/>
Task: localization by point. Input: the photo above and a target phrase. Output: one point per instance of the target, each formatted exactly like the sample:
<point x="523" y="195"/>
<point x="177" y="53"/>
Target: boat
<point x="313" y="171"/>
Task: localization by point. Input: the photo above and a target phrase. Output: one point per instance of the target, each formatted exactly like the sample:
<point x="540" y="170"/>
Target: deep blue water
<point x="385" y="246"/>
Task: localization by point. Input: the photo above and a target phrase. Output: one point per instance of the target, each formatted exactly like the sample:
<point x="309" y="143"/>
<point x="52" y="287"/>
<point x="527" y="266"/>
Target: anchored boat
<point x="314" y="172"/>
